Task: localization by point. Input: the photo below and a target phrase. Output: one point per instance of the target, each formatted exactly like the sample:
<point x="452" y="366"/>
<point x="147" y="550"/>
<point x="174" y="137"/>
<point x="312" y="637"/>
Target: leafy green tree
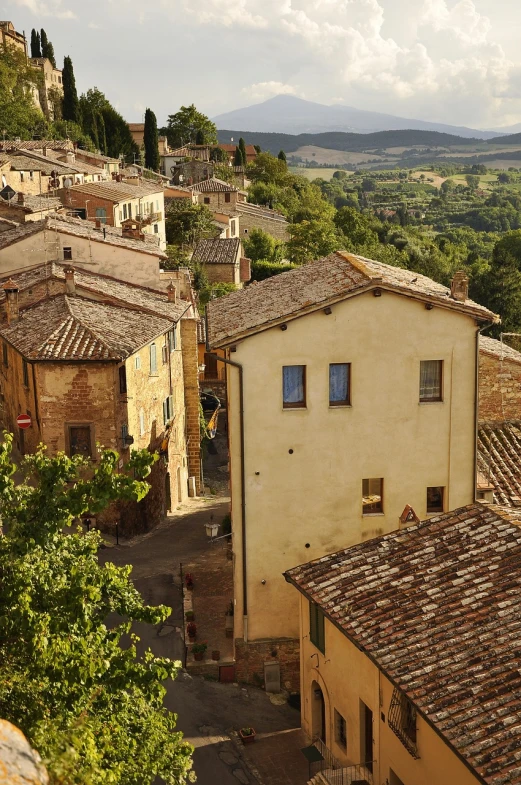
<point x="472" y="181"/>
<point x="218" y="155"/>
<point x="199" y="137"/>
<point x="184" y="126"/>
<point x="257" y="148"/>
<point x="101" y="120"/>
<point x="89" y="704"/>
<point x="504" y="177"/>
<point x="151" y="141"/>
<point x="499" y="289"/>
<point x="260" y="245"/>
<point x="340" y="174"/>
<point x="71" y="107"/>
<point x="18" y="114"/>
<point x="47" y="48"/>
<point x="282" y="156"/>
<point x="187" y="223"/>
<point x="310" y="240"/>
<point x="36" y="50"/>
<point x="357" y="228"/>
<point x="368" y="184"/>
<point x="242" y="148"/>
<point x="262" y="269"/>
<point x="237" y="158"/>
<point x="267" y="169"/>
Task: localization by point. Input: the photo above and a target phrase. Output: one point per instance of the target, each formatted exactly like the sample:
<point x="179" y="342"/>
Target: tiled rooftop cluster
<point x="217" y="251"/>
<point x="438" y="607"/>
<point x="213" y="185"/>
<point x="317" y="284"/>
<point x="499" y="460"/>
<point x="116" y="192"/>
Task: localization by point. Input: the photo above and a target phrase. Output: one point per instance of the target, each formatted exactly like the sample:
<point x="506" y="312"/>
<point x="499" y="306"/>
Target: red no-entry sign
<point x="23" y="421"/>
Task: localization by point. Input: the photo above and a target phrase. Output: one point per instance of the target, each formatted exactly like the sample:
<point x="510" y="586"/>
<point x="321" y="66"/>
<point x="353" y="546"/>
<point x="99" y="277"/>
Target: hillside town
<point x="260" y="473"/>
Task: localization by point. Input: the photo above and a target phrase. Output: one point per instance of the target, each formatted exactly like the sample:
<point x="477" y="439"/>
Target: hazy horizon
<point x="445" y="61"/>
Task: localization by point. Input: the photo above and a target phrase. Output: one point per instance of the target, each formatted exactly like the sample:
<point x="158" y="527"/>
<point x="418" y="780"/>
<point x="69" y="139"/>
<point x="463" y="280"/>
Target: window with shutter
<point x="153" y="359"/>
<point x="122" y="379"/>
<point x="316" y="627"/>
<point x="164" y="354"/>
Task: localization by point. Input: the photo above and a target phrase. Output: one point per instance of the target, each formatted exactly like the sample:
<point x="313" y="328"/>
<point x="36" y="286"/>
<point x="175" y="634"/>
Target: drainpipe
<point x="476" y="408"/>
<point x="243" y="481"/>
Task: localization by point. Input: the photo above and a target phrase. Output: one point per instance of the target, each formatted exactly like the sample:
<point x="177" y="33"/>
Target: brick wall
<point x="250" y="658"/>
<point x="499" y="388"/>
<point x="191" y="394"/>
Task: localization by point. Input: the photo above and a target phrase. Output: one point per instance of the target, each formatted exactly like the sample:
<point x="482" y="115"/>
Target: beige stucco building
<point x="120" y="253"/>
<point x="358" y="398"/>
<point x="409" y="671"/>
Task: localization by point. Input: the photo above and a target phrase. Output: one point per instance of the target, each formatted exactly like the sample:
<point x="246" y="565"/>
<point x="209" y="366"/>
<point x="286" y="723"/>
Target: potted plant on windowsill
<point x="247" y="735"/>
<point x="189" y="580"/>
<point x="191" y="629"/>
<point x="190" y="616"/>
<point x="198" y="650"/>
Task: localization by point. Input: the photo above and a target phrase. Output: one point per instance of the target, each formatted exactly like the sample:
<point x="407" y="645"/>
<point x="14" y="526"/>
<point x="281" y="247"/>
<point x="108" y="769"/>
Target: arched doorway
<point x="168" y="493"/>
<point x="318" y="712"/>
<point x="179" y="486"/>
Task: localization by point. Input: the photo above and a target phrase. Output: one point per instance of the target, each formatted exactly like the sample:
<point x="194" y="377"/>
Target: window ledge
<point x="340" y="406"/>
<point x="428" y="403"/>
<point x="294" y="408"/>
<point x="373" y="514"/>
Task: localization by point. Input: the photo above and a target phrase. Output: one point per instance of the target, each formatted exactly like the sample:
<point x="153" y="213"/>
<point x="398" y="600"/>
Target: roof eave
<point x="375" y="283"/>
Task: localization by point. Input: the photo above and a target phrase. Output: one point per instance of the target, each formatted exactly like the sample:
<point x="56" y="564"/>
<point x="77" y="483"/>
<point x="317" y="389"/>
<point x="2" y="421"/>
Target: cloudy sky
<point x="452" y="61"/>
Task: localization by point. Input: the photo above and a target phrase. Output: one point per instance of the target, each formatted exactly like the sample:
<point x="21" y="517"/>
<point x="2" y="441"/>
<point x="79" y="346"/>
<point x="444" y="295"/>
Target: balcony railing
<point x="335" y="774"/>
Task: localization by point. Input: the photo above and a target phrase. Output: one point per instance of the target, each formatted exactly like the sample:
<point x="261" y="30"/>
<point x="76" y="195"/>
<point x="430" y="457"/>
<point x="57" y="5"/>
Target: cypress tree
<point x="237" y="161"/>
<point x="199" y="137"/>
<point x="70" y="95"/>
<point x="35" y="44"/>
<point x="242" y="148"/>
<point x="282" y="156"/>
<point x="47" y="48"/>
<point x="150" y="141"/>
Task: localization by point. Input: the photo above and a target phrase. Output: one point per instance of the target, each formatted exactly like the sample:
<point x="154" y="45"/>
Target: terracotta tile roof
<point x="117" y="192"/>
<point x="75" y="328"/>
<point x="142" y="298"/>
<point x="437" y="607"/>
<point x="36" y="204"/>
<point x="40" y="163"/>
<point x="498" y="349"/>
<point x="314" y="285"/>
<point x="79" y="228"/>
<point x="37" y="144"/>
<point x="96" y="156"/>
<point x="136" y="126"/>
<point x="213" y="185"/>
<point x="217" y="251"/>
<point x="499" y="460"/>
<point x="230" y="148"/>
<point x="246" y="208"/>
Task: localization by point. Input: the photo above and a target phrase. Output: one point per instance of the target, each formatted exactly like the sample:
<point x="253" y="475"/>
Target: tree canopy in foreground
<point x="91" y="707"/>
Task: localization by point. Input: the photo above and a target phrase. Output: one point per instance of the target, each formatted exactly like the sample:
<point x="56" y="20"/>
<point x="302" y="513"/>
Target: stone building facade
<point x="499" y="381"/>
<point x="95" y="361"/>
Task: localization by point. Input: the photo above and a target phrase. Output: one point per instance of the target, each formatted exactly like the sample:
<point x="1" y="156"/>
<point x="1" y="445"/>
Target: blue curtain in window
<point x="338" y="382"/>
<point x="293" y="383"/>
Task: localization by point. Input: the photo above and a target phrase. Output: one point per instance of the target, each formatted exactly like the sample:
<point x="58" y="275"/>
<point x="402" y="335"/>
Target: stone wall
<point x="250" y="658"/>
<point x="251" y="220"/>
<point x="223" y="273"/>
<point x="499" y="388"/>
<point x="191" y="394"/>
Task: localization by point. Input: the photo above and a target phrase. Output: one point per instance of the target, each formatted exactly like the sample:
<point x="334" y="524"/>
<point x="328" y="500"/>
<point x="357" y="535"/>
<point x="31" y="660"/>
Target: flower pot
<point x="247" y="738"/>
<point x="198" y="656"/>
<point x="216" y="655"/>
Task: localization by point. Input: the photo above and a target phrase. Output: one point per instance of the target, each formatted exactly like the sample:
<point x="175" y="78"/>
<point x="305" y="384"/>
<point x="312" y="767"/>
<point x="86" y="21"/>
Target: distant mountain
<point x="510" y="139"/>
<point x="509" y="129"/>
<point x="337" y="140"/>
<point x="291" y="115"/>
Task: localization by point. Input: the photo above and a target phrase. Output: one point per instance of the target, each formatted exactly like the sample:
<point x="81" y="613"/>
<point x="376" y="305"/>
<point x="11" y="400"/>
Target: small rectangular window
<point x="339" y="384"/>
<point x="172" y="339"/>
<point x="21" y="177"/>
<point x="431" y="380"/>
<point x="164" y="353"/>
<point x="227" y="197"/>
<point x="340" y="730"/>
<point x="25" y="371"/>
<point x="130" y="209"/>
<point x="137" y="362"/>
<point x="435" y="498"/>
<point x="207" y="200"/>
<point x="80" y="440"/>
<point x="372" y="495"/>
<point x="153" y="359"/>
<point x="31" y="176"/>
<point x="5" y="356"/>
<point x="122" y="379"/>
<point x="124" y="212"/>
<point x="316" y="627"/>
<point x="294" y="386"/>
<point x="168" y="409"/>
<point x="156" y="229"/>
<point x="402" y="721"/>
<point x="67" y="252"/>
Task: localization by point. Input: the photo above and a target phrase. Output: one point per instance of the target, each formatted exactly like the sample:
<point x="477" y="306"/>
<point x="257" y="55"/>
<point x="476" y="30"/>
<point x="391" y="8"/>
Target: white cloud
<point x="262" y="90"/>
<point x="47" y="8"/>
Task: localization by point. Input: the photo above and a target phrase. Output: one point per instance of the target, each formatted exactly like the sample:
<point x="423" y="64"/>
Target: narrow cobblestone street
<point x="207" y="709"/>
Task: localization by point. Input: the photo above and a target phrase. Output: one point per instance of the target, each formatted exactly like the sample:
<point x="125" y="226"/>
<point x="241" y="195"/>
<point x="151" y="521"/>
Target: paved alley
<point x="207" y="710"/>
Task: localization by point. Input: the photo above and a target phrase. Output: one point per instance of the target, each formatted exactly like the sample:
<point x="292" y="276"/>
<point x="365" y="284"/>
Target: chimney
<point x="172" y="292"/>
<point x="132" y="231"/>
<point x="11" y="302"/>
<point x="21" y="198"/>
<point x="70" y="284"/>
<point x="459" y="287"/>
<point x="71" y="158"/>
